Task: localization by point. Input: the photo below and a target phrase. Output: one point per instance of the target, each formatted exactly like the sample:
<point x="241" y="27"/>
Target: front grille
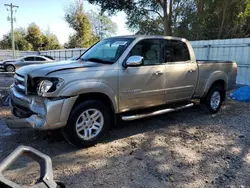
<point x="19" y="83"/>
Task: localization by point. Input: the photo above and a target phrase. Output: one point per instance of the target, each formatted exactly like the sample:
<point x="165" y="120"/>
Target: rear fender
<point x="215" y="76"/>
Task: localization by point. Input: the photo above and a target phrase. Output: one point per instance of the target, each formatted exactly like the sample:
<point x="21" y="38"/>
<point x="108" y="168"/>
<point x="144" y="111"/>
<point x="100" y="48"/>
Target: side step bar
<point x="155" y="113"/>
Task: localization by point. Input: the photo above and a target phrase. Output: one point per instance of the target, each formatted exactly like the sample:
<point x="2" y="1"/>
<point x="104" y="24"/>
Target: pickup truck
<point x="126" y="77"/>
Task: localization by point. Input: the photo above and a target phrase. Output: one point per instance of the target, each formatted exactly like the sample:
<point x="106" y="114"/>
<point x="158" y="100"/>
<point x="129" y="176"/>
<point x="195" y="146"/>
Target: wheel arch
<point x="92" y="89"/>
<point x="95" y="96"/>
<point x="221" y="83"/>
<point x="217" y="78"/>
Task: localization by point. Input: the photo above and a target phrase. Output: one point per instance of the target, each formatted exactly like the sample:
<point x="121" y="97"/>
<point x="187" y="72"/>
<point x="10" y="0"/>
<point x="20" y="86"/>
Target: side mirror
<point x="134" y="61"/>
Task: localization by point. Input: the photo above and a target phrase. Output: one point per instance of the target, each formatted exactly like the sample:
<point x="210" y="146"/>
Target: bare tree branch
<point x="151" y="10"/>
<point x="160" y="2"/>
<point x="175" y="16"/>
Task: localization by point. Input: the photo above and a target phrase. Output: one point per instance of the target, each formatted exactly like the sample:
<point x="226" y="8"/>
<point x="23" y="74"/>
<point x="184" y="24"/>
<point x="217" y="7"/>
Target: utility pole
<point x="12" y="7"/>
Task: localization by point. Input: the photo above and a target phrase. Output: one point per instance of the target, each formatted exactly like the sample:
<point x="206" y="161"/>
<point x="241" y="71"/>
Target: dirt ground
<point x="189" y="148"/>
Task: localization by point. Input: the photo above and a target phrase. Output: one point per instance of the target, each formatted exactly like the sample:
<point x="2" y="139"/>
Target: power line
<point x="11" y="8"/>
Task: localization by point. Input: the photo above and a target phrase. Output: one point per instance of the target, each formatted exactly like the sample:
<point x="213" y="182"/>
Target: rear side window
<point x="176" y="51"/>
<point x="40" y="59"/>
<point x="29" y="59"/>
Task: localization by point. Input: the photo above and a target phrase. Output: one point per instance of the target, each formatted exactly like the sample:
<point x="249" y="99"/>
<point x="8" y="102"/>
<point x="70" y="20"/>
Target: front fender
<point x="215" y="76"/>
<point x="84" y="87"/>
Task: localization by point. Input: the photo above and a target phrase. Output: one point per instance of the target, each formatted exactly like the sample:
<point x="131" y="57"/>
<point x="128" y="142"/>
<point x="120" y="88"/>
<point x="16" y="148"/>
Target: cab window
<point x="176" y="51"/>
<point x="151" y="50"/>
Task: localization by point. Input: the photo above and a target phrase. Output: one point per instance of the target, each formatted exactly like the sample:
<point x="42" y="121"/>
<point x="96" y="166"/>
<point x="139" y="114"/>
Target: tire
<point x="214" y="99"/>
<point x="10" y="68"/>
<point x="89" y="131"/>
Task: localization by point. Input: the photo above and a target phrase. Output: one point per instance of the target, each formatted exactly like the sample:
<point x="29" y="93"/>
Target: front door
<point x="181" y="71"/>
<point x="143" y="86"/>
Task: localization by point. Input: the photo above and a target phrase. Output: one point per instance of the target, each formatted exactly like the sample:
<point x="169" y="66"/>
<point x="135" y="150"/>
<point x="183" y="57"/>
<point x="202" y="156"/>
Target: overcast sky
<point x="48" y="14"/>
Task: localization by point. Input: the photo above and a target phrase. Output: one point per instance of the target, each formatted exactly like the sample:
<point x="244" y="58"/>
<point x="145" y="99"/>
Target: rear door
<point x="181" y="71"/>
<point x="143" y="86"/>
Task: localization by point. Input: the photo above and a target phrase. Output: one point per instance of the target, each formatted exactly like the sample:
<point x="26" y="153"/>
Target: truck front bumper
<point x="41" y="113"/>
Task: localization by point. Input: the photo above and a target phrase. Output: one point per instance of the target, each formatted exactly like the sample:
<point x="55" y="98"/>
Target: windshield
<point x="107" y="51"/>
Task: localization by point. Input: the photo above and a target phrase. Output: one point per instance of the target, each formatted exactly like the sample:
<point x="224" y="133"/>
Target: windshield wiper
<point x="99" y="60"/>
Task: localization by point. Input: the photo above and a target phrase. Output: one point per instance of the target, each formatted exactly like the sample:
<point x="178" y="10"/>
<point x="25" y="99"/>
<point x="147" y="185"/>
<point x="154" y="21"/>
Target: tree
<point x="31" y="38"/>
<point x="5" y="43"/>
<point x="102" y="25"/>
<point x="200" y="5"/>
<point x="145" y="26"/>
<point x="73" y="42"/>
<point x="20" y="42"/>
<point x="78" y="20"/>
<point x="221" y="19"/>
<point x="244" y="18"/>
<point x="193" y="19"/>
<point x="184" y="19"/>
<point x="139" y="12"/>
<point x="50" y="42"/>
<point x="34" y="36"/>
<point x="40" y="40"/>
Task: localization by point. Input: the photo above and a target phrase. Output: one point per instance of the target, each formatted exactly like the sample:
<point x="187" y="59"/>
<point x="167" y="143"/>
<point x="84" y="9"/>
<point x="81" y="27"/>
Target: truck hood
<point x="47" y="68"/>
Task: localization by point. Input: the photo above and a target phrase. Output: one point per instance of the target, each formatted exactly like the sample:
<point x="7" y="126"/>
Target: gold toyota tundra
<point x="127" y="77"/>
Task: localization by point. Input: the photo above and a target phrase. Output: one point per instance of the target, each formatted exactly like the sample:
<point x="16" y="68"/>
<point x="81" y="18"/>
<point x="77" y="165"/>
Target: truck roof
<point x="149" y="37"/>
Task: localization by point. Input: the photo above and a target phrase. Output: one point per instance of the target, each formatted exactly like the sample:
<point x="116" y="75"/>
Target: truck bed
<point x="209" y="69"/>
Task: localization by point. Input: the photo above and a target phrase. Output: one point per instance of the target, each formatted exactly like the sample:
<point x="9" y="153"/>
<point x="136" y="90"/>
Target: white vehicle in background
<point x="11" y="65"/>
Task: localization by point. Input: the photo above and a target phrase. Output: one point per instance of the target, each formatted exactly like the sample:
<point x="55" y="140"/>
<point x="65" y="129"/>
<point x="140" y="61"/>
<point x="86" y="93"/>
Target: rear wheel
<point x="214" y="99"/>
<point x="10" y="68"/>
<point x="87" y="124"/>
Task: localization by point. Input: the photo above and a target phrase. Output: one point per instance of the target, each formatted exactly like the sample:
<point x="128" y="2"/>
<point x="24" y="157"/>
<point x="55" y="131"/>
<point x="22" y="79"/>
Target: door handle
<point x="191" y="70"/>
<point x="157" y="73"/>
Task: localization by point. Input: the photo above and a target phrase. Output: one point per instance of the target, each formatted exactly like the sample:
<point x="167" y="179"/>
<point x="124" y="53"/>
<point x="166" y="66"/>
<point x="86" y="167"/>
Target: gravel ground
<point x="188" y="148"/>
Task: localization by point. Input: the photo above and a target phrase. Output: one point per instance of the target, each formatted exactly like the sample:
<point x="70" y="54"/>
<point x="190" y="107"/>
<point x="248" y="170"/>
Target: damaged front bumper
<point x="41" y="113"/>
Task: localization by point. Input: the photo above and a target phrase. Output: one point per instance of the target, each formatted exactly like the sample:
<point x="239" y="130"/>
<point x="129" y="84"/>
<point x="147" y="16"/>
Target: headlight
<point x="44" y="86"/>
<point x="48" y="85"/>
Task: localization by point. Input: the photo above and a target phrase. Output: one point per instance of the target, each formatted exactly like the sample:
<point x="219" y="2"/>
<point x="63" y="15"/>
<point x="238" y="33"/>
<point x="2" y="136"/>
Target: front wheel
<point x="87" y="124"/>
<point x="213" y="99"/>
<point x="10" y="68"/>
